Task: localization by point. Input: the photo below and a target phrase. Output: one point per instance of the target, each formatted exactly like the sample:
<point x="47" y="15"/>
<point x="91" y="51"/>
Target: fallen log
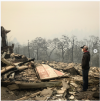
<point x="7" y="68"/>
<point x="28" y="96"/>
<point x="6" y="62"/>
<point x="20" y="85"/>
<point x="3" y="55"/>
<point x="22" y="68"/>
<point x="17" y="63"/>
<point x="6" y="83"/>
<point x="13" y="87"/>
<point x="13" y="67"/>
<point x="17" y="67"/>
<point x="20" y="64"/>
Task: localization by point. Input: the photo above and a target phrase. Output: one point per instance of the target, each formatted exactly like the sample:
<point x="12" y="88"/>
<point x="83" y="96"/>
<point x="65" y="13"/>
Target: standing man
<point x="85" y="66"/>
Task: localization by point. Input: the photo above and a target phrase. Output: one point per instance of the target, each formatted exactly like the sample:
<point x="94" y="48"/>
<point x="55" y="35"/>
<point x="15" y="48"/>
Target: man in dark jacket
<point x="85" y="66"/>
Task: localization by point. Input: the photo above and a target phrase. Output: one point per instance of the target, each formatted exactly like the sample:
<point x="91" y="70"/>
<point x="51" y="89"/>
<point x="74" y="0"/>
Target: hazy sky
<point x="50" y="19"/>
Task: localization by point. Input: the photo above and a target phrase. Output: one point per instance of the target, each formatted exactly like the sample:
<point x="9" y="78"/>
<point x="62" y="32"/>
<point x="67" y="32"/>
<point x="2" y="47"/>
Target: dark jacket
<point x="85" y="60"/>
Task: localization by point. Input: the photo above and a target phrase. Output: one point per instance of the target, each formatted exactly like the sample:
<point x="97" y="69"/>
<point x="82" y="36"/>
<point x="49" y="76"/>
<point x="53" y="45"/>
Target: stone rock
<point x="60" y="91"/>
<point x="65" y="84"/>
<point x="77" y="78"/>
<point x="74" y="84"/>
<point x="71" y="97"/>
<point x="59" y="99"/>
<point x="59" y="95"/>
<point x="46" y="92"/>
<point x="94" y="89"/>
<point x="73" y="93"/>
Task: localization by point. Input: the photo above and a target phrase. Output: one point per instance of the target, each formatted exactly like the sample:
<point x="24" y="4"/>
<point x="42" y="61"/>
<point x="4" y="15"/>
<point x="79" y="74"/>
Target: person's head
<point x="84" y="48"/>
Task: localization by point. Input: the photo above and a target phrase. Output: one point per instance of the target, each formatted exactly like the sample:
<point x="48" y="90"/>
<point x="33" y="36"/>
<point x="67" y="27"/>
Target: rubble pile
<point x="28" y="79"/>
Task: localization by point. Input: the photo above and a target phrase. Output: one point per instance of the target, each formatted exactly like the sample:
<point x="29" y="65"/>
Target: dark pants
<point x="85" y="79"/>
